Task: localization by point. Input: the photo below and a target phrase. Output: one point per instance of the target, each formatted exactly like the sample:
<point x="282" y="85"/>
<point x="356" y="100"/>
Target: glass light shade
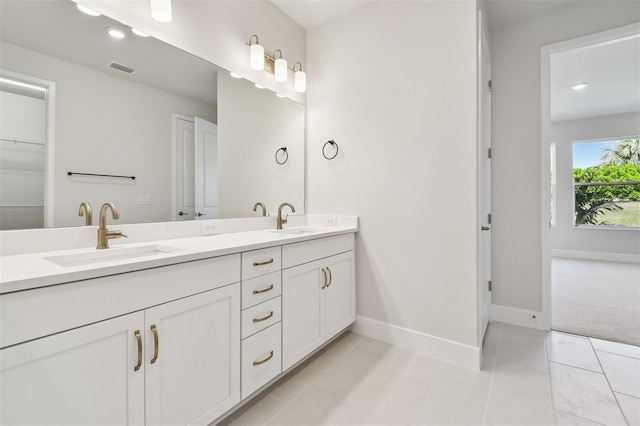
<point x="300" y="81"/>
<point x="257" y="57"/>
<point x="161" y="10"/>
<point x="281" y="70"/>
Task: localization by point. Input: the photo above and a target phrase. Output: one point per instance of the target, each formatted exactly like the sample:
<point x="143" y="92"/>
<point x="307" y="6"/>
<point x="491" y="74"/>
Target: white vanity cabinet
<point x="318" y="294"/>
<point x="173" y="362"/>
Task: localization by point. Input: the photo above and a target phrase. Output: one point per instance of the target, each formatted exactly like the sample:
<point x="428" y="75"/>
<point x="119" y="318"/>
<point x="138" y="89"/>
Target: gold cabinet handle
<point x="264" y="360"/>
<point x="263" y="318"/>
<point x="139" y="339"/>
<point x="156" y="344"/>
<point x="324" y="285"/>
<point x="330" y="277"/>
<point x="266" y="262"/>
<point x="264" y="290"/>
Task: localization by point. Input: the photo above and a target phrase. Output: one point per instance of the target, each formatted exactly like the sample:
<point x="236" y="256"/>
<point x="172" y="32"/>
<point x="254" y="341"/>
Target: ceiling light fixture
<point x="259" y="86"/>
<point x="85" y="9"/>
<point x="280" y="95"/>
<point x="234" y="75"/>
<point x="299" y="79"/>
<point x="139" y="33"/>
<point x="580" y="86"/>
<point x="115" y="33"/>
<point x="256" y="54"/>
<point x="161" y="10"/>
<point x="280" y="68"/>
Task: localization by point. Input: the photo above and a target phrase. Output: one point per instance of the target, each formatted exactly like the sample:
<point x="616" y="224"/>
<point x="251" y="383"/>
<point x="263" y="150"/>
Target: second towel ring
<point x="286" y="154"/>
<point x="324" y="154"/>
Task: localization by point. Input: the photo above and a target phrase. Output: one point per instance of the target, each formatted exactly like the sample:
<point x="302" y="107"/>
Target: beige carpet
<point x="596" y="299"/>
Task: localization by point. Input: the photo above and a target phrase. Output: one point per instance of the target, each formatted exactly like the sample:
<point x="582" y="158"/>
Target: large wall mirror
<point x="200" y="144"/>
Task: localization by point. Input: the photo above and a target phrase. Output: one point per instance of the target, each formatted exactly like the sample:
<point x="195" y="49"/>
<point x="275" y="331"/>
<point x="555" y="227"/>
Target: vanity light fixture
<point x="161" y="10"/>
<point x="115" y="33"/>
<point x="139" y="33"/>
<point x="234" y="75"/>
<point x="579" y="86"/>
<point x="85" y="9"/>
<point x="256" y="54"/>
<point x="299" y="79"/>
<point x="280" y="68"/>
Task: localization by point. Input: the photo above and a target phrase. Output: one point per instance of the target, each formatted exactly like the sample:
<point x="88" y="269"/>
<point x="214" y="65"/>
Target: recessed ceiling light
<point x="139" y="33"/>
<point x="88" y="11"/>
<point x="115" y="33"/>
<point x="580" y="86"/>
<point x="259" y="86"/>
<point x="234" y="75"/>
<point x="280" y="95"/>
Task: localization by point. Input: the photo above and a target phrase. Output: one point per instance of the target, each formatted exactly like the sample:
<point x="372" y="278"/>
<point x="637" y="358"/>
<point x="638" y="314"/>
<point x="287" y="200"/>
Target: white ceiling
<point x="312" y="13"/>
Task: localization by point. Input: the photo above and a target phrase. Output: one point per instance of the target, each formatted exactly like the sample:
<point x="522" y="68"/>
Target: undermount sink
<point x="109" y="255"/>
<point x="295" y="231"/>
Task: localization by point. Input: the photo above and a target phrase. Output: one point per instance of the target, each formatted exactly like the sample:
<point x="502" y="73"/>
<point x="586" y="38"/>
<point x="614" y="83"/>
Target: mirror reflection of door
<point x="196" y="169"/>
<point x="23" y="111"/>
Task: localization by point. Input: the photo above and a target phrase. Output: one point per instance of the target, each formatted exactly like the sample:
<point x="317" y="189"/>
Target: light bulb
<point x="257" y="57"/>
<point x="161" y="10"/>
<point x="281" y="70"/>
<point x="300" y="81"/>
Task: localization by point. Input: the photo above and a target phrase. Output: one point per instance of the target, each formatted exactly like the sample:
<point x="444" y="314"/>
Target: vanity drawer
<point x="261" y="289"/>
<point x="260" y="262"/>
<point x="261" y="316"/>
<point x="308" y="251"/>
<point x="261" y="359"/>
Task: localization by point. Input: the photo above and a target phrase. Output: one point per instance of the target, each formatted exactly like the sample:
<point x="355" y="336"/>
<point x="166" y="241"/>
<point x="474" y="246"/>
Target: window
<point x="606" y="179"/>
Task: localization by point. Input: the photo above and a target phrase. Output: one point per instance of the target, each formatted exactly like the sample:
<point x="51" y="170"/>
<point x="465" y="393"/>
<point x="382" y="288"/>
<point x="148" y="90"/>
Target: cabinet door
<point x="302" y="319"/>
<point x="84" y="376"/>
<point x="194" y="376"/>
<point x="340" y="309"/>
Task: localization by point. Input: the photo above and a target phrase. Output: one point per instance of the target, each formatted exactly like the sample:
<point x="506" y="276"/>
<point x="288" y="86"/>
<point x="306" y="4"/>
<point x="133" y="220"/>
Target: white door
<point x="185" y="169"/>
<point x="339" y="294"/>
<point x="206" y="169"/>
<point x="484" y="188"/>
<point x="302" y="317"/>
<point x="192" y="358"/>
<point x="85" y="376"/>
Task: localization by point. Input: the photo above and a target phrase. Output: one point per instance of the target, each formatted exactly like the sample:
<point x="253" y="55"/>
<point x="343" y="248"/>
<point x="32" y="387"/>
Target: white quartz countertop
<point x="33" y="270"/>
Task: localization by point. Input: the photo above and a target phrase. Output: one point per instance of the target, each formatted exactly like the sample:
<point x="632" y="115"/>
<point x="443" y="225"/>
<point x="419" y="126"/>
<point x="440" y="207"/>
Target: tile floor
<point x="529" y="377"/>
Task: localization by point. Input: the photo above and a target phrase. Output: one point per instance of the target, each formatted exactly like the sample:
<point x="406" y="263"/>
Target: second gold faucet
<point x="104" y="235"/>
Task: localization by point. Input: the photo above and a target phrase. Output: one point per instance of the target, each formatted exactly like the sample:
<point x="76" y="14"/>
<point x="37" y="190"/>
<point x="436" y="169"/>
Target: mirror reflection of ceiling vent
<point x="122" y="68"/>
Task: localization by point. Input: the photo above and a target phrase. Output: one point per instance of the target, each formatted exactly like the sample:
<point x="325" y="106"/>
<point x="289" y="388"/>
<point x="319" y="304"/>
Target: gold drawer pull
<point x="264" y="290"/>
<point x="139" y="339"/>
<point x="330" y="277"/>
<point x="324" y="285"/>
<point x="264" y="360"/>
<point x="154" y="330"/>
<point x="263" y="263"/>
<point x="264" y="318"/>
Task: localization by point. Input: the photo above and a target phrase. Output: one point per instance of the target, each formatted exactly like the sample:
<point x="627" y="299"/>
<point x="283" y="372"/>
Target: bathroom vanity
<point x="176" y="331"/>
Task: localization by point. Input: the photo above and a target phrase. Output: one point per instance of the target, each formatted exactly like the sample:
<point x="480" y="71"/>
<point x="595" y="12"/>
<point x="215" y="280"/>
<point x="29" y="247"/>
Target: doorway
<point x="591" y="260"/>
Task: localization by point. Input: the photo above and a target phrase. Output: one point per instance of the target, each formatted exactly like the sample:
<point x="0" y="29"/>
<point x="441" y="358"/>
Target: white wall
<point x="131" y="137"/>
<point x="252" y="125"/>
<point x="516" y="163"/>
<point x="394" y="84"/>
<point x="217" y="31"/>
<point x="565" y="236"/>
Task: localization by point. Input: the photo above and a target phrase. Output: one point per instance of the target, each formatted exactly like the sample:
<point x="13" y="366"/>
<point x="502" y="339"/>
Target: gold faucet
<point x="282" y="221"/>
<point x="85" y="210"/>
<point x="264" y="209"/>
<point x="104" y="235"/>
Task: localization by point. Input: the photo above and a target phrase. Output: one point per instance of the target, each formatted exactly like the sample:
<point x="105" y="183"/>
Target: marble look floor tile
<point x="295" y="382"/>
<point x="622" y="372"/>
<point x="258" y="411"/>
<point x="572" y="350"/>
<point x="314" y="406"/>
<point x="481" y="377"/>
<point x="336" y="350"/>
<point x="519" y="392"/>
<point x="378" y="347"/>
<point x="493" y="418"/>
<point x="566" y="419"/>
<point x="630" y="408"/>
<point x="524" y="347"/>
<point x="584" y="394"/>
<point x="616" y="348"/>
<point x="348" y="378"/>
<point x="451" y="401"/>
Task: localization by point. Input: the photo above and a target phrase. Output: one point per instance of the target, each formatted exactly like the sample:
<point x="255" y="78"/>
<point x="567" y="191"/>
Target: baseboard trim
<point x="592" y="255"/>
<point x="458" y="353"/>
<point x="521" y="317"/>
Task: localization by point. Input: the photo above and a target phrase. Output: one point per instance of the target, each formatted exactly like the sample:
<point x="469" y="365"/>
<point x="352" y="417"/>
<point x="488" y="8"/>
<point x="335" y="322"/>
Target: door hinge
<point x="489" y="153"/>
<point x="489" y="86"/>
<point x="489" y="285"/>
<point x="489" y="218"/>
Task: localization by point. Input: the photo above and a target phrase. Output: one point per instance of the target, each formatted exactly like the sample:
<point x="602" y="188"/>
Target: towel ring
<point x="324" y="154"/>
<point x="283" y="149"/>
